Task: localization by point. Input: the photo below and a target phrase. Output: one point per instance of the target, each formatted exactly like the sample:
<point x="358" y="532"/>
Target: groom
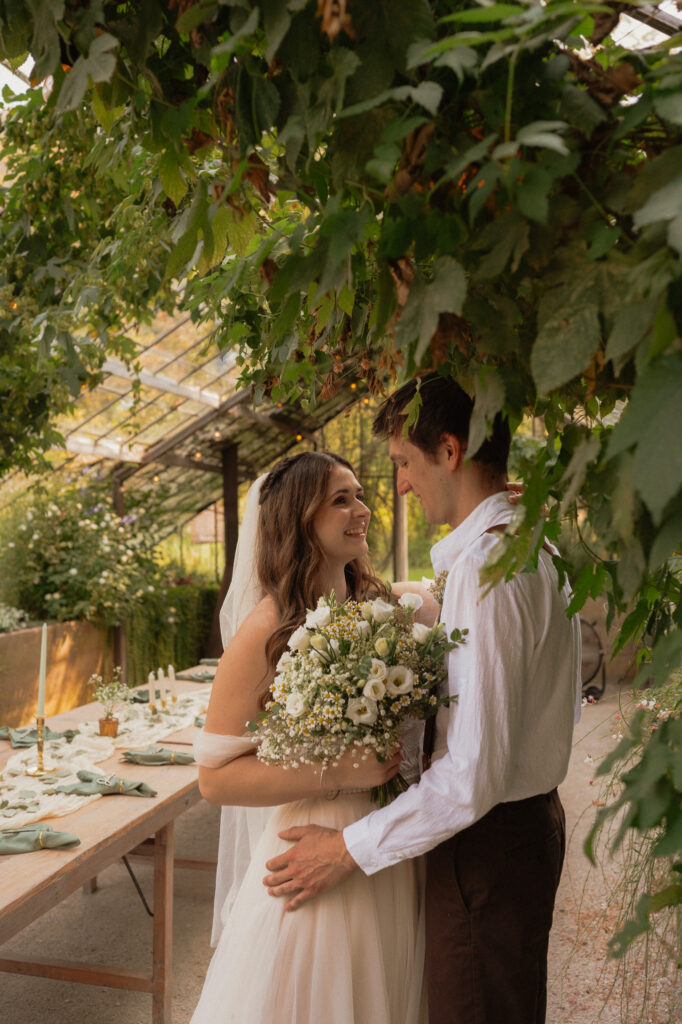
<point x="487" y="811"/>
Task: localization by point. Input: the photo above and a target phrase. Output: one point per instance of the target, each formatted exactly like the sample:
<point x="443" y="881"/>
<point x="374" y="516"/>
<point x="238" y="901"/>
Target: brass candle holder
<point x="40" y="768"/>
<point x="174" y="698"/>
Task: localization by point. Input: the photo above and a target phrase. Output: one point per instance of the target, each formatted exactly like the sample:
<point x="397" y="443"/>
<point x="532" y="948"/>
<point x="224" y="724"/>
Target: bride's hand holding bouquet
<point x="342" y="691"/>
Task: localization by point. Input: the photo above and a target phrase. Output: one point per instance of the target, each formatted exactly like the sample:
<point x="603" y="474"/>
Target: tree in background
<point x="493" y="191"/>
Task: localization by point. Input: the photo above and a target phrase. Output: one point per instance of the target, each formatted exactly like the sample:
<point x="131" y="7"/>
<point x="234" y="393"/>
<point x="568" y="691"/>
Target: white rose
<point x="295" y="705"/>
<point x="299" y="639"/>
<point x="319" y="643"/>
<point x="410" y="600"/>
<point x="374" y="689"/>
<point x="283" y="662"/>
<point x="362" y="628"/>
<point x="366" y="610"/>
<point x="322" y="616"/>
<point x="381" y="610"/>
<point x="420" y="632"/>
<point x="382" y="647"/>
<point x="378" y="670"/>
<point x="334" y="644"/>
<point x="362" y="710"/>
<point x="400" y="680"/>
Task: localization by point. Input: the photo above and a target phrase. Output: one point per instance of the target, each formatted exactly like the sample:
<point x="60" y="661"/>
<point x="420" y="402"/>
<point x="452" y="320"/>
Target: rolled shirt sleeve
<point x="484" y="725"/>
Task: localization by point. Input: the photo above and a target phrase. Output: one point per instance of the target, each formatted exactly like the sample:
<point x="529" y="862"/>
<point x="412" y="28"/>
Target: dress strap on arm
<point x="213" y="750"/>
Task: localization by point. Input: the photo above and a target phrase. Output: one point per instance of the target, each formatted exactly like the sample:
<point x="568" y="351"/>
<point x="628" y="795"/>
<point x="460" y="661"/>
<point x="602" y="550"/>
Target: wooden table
<point x="31" y="884"/>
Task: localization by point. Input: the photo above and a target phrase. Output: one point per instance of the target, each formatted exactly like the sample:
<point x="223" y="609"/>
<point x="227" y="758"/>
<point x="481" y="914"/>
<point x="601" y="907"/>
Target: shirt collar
<point x="493" y="511"/>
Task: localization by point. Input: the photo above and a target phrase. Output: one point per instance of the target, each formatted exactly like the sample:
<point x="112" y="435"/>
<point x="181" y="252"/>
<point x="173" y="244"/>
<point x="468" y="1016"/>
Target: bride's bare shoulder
<point x="263" y="619"/>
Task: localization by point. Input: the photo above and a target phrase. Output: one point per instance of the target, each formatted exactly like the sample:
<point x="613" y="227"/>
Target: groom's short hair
<point x="445" y="409"/>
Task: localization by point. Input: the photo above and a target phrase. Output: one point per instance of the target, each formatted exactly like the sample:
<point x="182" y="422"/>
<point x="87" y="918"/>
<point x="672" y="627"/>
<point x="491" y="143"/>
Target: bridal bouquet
<point x="352" y="674"/>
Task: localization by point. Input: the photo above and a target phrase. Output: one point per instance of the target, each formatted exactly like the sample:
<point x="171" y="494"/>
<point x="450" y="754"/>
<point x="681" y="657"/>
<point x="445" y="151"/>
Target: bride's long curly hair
<point x="288" y="554"/>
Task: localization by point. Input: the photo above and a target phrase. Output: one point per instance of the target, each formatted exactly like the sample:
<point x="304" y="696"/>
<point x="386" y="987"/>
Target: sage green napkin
<point x="142" y="696"/>
<point x="105" y="785"/>
<point x="28" y="737"/>
<point x="199" y="722"/>
<point x="197" y="677"/>
<point x="209" y="661"/>
<point x="37" y="836"/>
<point x="157" y="755"/>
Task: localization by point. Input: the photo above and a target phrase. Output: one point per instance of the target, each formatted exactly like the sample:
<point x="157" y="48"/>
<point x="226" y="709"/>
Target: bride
<point x="355" y="955"/>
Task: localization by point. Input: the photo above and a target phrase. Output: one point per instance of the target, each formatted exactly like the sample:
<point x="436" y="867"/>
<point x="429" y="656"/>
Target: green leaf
<point x="45" y="48"/>
<point x="172" y="179"/>
<point x="668" y="540"/>
<point x="426" y="94"/>
<point x="481" y="14"/>
<point x="665" y="204"/>
<point x="488" y="401"/>
<point x="542" y="134"/>
<point x="445" y="294"/>
<point x="631" y="324"/>
<point x="652" y="423"/>
<point x="669" y="107"/>
<point x="590" y="583"/>
<point x="240" y="230"/>
<point x="574" y="475"/>
<point x="565" y="343"/>
<point x="107" y="116"/>
<point x="666" y="658"/>
<point x="533" y="194"/>
<point x="98" y="66"/>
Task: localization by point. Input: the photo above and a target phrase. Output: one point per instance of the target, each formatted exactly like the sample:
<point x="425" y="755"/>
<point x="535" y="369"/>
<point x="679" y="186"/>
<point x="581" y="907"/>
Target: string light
<point x="216" y="434"/>
<point x="353" y="386"/>
<point x="197" y="455"/>
<point x="299" y="437"/>
<point x="155" y="478"/>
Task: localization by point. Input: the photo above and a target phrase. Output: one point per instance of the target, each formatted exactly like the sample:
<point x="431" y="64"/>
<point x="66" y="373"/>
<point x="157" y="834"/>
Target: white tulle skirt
<point x="354" y="955"/>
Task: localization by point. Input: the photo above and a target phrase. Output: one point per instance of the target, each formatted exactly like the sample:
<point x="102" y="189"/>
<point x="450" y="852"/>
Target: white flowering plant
<point x="351" y="676"/>
<point x="66" y="554"/>
<point x="112" y="694"/>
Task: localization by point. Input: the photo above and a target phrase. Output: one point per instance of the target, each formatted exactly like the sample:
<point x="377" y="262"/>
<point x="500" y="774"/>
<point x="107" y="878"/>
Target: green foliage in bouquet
<point x="352" y="675"/>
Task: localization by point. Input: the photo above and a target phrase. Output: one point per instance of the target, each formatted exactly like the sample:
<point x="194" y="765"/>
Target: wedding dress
<point x="353" y="955"/>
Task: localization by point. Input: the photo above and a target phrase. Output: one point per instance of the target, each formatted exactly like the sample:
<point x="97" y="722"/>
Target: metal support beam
<point x="400" y="569"/>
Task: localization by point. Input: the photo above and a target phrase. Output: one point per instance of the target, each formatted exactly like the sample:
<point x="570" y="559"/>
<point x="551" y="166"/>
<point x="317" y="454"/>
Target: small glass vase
<point x="108" y="726"/>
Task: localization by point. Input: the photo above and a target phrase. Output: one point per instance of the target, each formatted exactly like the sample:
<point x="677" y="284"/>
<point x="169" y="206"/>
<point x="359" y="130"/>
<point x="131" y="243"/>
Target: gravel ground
<point x="111" y="926"/>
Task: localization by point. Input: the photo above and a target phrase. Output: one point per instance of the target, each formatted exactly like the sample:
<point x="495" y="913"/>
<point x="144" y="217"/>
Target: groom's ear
<point x="454" y="450"/>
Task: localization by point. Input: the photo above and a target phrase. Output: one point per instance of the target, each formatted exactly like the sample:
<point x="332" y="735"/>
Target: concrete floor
<point x="111" y="926"/>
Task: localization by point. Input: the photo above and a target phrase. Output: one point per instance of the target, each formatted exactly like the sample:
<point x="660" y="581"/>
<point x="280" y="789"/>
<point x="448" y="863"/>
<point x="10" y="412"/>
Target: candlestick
<point x="163" y="689"/>
<point x="151" y="680"/>
<point x="173" y="686"/>
<point x="41" y="677"/>
<point x="40" y="768"/>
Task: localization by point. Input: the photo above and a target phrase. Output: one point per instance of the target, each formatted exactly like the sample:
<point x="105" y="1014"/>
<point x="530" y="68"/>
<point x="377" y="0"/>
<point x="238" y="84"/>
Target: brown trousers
<point x="489" y="902"/>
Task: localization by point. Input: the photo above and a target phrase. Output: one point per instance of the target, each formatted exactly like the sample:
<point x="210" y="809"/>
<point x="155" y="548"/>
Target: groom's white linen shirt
<point x="517" y="682"/>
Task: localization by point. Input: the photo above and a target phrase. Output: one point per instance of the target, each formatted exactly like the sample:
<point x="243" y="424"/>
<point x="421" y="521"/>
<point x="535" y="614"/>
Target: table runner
<point x="25" y="799"/>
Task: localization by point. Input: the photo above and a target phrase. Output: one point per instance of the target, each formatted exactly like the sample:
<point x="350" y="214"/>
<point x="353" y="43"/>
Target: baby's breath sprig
<point x="351" y="676"/>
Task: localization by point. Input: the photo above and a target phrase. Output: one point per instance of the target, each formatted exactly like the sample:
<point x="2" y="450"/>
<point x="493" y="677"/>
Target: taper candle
<point x="171" y="678"/>
<point x="41" y="677"/>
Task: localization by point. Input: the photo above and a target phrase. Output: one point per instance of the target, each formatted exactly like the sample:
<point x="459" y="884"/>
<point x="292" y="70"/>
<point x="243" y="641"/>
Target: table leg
<point x="162" y="969"/>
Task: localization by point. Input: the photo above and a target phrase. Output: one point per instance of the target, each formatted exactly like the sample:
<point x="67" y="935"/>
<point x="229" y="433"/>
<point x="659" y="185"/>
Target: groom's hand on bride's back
<point x="317" y="861"/>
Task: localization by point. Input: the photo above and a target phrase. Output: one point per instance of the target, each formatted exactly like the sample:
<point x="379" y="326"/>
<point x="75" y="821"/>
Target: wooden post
<point x="120" y="644"/>
<point x="400" y="569"/>
<point x="162" y="957"/>
<point x="214" y="647"/>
